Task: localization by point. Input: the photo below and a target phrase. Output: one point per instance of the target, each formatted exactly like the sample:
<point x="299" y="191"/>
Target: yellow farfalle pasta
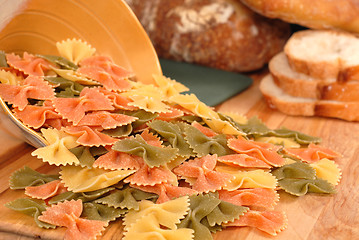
<point x="328" y="170"/>
<point x="285" y="142"/>
<point x="209" y="116"/>
<point x="147" y="97"/>
<point x="248" y="179"/>
<point x="148" y="227"/>
<point x="168" y="214"/>
<point x="239" y="118"/>
<point x="57" y="152"/>
<point x="9" y="78"/>
<point x="74" y="50"/>
<point x="149" y="104"/>
<point x="83" y="179"/>
<point x="168" y="86"/>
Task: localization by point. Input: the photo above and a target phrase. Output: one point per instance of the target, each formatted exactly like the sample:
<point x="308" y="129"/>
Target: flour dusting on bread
<point x="194" y="20"/>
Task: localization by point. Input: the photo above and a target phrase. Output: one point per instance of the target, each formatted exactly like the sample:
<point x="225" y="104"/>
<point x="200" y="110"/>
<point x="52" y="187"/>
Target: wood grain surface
<point x="311" y="217"/>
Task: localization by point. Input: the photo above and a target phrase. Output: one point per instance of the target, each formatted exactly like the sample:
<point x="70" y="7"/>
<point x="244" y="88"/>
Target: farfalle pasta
<point x="126" y="198"/>
<point x="68" y="214"/>
<point x="149" y="156"/>
<point x="74" y="50"/>
<point x="29" y="64"/>
<point x="83" y="179"/>
<point x="101" y="212"/>
<point x="57" y="152"/>
<point x="30" y="88"/>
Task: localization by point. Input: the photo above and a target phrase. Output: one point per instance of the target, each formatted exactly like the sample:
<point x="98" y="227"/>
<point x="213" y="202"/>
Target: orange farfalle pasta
<point x="173" y="114"/>
<point x="36" y="116"/>
<point x="151" y="139"/>
<point x="105" y="71"/>
<point x="151" y="176"/>
<point x="118" y="101"/>
<point x="74" y="109"/>
<point x="201" y="175"/>
<point x="29" y="64"/>
<point x="263" y="198"/>
<point x="271" y="222"/>
<point x="106" y="120"/>
<point x="114" y="160"/>
<point x="312" y="153"/>
<point x="88" y="136"/>
<point x="243" y="160"/>
<point x="205" y="130"/>
<point x="32" y="87"/>
<point x="166" y="192"/>
<point x="46" y="190"/>
<point x="67" y="214"/>
<point x="263" y="151"/>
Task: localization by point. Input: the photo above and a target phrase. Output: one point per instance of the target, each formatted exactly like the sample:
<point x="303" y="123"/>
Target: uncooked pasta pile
<point x="150" y="155"/>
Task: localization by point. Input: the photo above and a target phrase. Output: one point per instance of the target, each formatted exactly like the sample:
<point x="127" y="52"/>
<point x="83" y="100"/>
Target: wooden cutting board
<point x="310" y="217"/>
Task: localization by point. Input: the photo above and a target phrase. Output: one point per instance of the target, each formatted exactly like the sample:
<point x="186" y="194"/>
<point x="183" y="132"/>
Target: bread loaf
<point x="301" y="85"/>
<point x="298" y="106"/>
<point x="316" y="14"/>
<point x="324" y="54"/>
<point x="222" y="34"/>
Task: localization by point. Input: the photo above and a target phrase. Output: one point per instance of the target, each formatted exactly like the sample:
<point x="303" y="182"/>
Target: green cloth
<point x="211" y="86"/>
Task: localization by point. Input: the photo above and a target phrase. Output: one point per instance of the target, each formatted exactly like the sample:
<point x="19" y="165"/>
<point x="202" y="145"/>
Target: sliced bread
<point x="278" y="99"/>
<point x="324" y="54"/>
<point x="301" y="85"/>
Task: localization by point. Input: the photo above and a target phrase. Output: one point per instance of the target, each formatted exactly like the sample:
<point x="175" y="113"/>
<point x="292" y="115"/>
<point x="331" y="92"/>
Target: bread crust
<point x="222" y="34"/>
<point x="276" y="98"/>
<point x="301" y="85"/>
<point x="316" y="14"/>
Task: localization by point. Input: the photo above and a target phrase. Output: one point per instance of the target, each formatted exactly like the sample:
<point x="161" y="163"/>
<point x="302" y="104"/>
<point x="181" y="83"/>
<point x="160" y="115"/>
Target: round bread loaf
<point x="222" y="34"/>
<point x="317" y="14"/>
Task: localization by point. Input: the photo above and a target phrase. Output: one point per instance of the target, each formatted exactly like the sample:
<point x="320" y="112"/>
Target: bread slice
<point x="299" y="106"/>
<point x="301" y="85"/>
<point x="324" y="54"/>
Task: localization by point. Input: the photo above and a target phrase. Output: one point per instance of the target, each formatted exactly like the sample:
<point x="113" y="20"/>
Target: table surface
<point x="313" y="216"/>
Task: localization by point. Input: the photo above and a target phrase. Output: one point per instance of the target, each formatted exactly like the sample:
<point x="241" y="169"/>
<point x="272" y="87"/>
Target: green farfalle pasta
<point x="206" y="214"/>
<point x="3" y="62"/>
<point x="300" y="187"/>
<point x="299" y="137"/>
<point x="126" y="198"/>
<point x="203" y="145"/>
<point x="255" y="127"/>
<point x="64" y="87"/>
<point x="101" y="212"/>
<point x="152" y="155"/>
<point x="192" y="118"/>
<point x="173" y="134"/>
<point x="142" y="115"/>
<point x="98" y="151"/>
<point x="63" y="62"/>
<point x="84" y="155"/>
<point x="84" y="196"/>
<point x="225" y="212"/>
<point x="295" y="170"/>
<point x="121" y="131"/>
<point x="26" y="177"/>
<point x="31" y="207"/>
<point x="299" y="178"/>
